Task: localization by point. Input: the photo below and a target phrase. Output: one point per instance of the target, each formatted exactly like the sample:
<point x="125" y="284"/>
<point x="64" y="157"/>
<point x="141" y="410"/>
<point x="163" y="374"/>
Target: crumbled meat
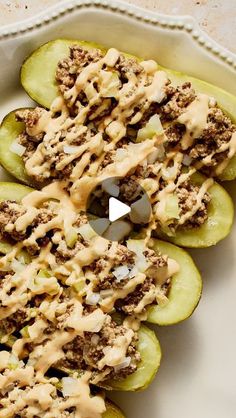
<point x="14" y="322"/>
<point x="176" y="102"/>
<point x="218" y="132"/>
<point x="156" y="259"/>
<point x="10" y="211"/>
<point x="174" y="134"/>
<point x="129" y="189"/>
<point x="128" y="304"/>
<point x="70" y="68"/>
<point x="127" y="66"/>
<point x="187" y="195"/>
<point x="63" y="253"/>
<point x="29" y="116"/>
<point x="85" y="352"/>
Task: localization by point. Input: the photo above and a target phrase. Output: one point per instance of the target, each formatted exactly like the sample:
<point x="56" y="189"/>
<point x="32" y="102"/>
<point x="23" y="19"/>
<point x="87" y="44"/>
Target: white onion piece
<point x="69" y="386"/>
<point x="121" y="273"/>
<point x="70" y="149"/>
<point x="17" y="266"/>
<point x="124" y="364"/>
<point x="93" y="298"/>
<point x="133" y="272"/>
<point x="17" y="148"/>
<point x="187" y="160"/>
<point x="169" y="172"/>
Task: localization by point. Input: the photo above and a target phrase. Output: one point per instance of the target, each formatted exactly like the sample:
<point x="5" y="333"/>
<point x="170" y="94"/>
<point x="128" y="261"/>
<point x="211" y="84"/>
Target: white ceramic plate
<point x="197" y="375"/>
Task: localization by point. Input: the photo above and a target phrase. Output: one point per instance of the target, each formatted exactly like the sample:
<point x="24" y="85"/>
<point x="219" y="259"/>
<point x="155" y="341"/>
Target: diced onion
<point x="93" y="298"/>
<point x="123" y="365"/>
<point x="70" y="149"/>
<point x="17" y="266"/>
<point x="169" y="172"/>
<point x="133" y="272"/>
<point x="112" y="86"/>
<point x="17" y="148"/>
<point x="121" y="273"/>
<point x="69" y="386"/>
<point x="141" y="210"/>
<point x="187" y="160"/>
<point x="137" y="246"/>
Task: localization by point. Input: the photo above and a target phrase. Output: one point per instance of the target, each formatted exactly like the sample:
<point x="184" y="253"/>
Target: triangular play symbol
<point x="117" y="209"/>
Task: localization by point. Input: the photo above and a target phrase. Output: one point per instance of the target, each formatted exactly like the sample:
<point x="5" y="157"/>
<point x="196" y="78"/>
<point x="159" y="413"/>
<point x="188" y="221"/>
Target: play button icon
<point x="117" y="207"/>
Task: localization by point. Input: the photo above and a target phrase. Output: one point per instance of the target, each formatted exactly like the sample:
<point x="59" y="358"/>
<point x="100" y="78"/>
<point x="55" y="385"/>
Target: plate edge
<point x="186" y="23"/>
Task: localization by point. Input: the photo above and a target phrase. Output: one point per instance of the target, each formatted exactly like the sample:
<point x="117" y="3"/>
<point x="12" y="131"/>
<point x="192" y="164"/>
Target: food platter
<point x="195" y="377"/>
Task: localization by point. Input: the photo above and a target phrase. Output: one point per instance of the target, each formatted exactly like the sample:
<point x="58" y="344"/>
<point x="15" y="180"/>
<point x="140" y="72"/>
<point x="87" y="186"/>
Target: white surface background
<point x="217" y="17"/>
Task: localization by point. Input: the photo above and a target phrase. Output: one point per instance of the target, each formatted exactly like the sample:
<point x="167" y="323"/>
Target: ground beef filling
<point x="84" y="353"/>
<point x="10" y="211"/>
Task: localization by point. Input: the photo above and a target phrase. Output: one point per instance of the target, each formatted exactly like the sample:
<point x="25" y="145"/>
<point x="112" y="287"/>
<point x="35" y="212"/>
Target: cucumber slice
<point x="217" y="226"/>
<point x="185" y="291"/>
<point x="13" y="163"/>
<point x="13" y="191"/>
<point x="150" y="350"/>
<point x="45" y="59"/>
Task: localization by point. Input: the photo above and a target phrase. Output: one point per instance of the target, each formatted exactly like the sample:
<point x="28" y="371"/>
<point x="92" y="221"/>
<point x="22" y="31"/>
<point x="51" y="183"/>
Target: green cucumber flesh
<point x="185" y="290"/>
<point x="13" y="163"/>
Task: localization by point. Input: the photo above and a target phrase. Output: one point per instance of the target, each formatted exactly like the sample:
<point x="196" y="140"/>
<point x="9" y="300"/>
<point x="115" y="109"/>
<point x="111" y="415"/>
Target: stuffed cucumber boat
<point x="113" y="116"/>
<point x="206" y="221"/>
<point x="47" y="57"/>
<point x="168" y="270"/>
